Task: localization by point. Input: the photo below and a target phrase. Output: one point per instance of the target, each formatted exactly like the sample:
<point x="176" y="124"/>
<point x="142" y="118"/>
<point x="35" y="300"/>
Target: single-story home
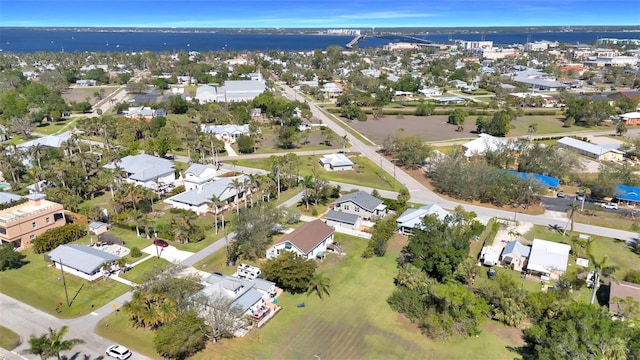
<point x="342" y="219"/>
<point x="336" y="162"/>
<point x="199" y="199"/>
<point x="331" y="90"/>
<point x="362" y="204"/>
<point x="227" y="133"/>
<point x="232" y="91"/>
<point x="515" y="255"/>
<point x="449" y="100"/>
<point x="544" y="180"/>
<point x="81" y="260"/>
<point x="253" y="298"/>
<point x="482" y="144"/>
<point x="98" y="227"/>
<point x="622" y="290"/>
<point x="598" y="152"/>
<point x="6" y="198"/>
<point x="197" y="175"/>
<point x="309" y="241"/>
<point x="412" y="218"/>
<point x="49" y="140"/>
<point x="632" y="118"/>
<point x="146" y="170"/>
<point x="430" y="92"/>
<point x="548" y="258"/>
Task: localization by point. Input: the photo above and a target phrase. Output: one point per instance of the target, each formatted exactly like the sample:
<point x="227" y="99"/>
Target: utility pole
<point x="278" y="168"/>
<point x="64" y="282"/>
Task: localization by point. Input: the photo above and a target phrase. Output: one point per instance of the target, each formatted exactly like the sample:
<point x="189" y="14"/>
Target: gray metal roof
<point x="336" y="160"/>
<point x="342" y="217"/>
<point x="50" y="140"/>
<point x="83" y="258"/>
<point x="8" y="197"/>
<point x="362" y="199"/>
<point x="144" y="167"/>
<point x="222" y="189"/>
<point x="247" y="299"/>
<point x="198" y="169"/>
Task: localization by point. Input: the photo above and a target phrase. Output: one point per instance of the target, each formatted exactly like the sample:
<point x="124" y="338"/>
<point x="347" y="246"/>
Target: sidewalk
<point x="230" y="151"/>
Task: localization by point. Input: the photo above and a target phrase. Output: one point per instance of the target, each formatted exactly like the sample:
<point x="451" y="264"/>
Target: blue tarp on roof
<point x="545" y="180"/>
<point x="627" y="193"/>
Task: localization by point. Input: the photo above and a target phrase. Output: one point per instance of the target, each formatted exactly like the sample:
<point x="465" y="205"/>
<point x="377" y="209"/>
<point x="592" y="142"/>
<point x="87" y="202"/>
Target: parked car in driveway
<point x="119" y="352"/>
<point x="560" y="194"/>
<point x="610" y="206"/>
<point x="160" y="243"/>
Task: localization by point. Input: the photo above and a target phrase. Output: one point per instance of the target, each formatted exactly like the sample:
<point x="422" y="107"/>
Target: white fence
<point x="361" y="234"/>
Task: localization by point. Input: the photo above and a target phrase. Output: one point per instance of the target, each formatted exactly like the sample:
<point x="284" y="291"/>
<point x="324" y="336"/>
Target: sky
<point x="316" y="14"/>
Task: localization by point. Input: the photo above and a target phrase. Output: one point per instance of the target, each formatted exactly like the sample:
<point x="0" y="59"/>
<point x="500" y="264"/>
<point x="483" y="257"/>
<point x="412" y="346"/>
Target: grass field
<point x="547" y="124"/>
<point x="355" y="322"/>
<point x="8" y="339"/>
<point x="139" y="273"/>
<point x="367" y="173"/>
<point x="41" y="286"/>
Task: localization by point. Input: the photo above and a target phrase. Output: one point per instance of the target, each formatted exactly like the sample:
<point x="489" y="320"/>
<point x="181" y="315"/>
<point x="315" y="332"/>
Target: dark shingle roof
<point x="362" y="199"/>
<point x="342" y="217"/>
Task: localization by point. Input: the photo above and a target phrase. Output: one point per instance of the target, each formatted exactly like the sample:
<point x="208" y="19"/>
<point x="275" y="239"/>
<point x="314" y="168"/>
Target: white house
<point x="412" y="218"/>
<point x="146" y="170"/>
<point x="227" y="133"/>
<point x="55" y="141"/>
<point x="336" y="162"/>
<point x="81" y="260"/>
<point x="197" y="175"/>
<point x="198" y="199"/>
<point x="309" y="241"/>
<point x="598" y="152"/>
<point x="430" y="92"/>
<point x="362" y="204"/>
<point x="331" y="90"/>
<point x="231" y="91"/>
<point x="482" y="144"/>
<point x="342" y="219"/>
<point x="548" y="258"/>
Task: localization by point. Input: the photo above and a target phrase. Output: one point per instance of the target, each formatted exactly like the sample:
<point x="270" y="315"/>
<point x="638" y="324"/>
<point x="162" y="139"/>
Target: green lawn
<point x="8" y="339"/>
<point x="547" y="124"/>
<point x="367" y="173"/>
<point x="52" y="128"/>
<point x="41" y="286"/>
<point x="354" y="322"/>
<point x="618" y="253"/>
<point x="139" y="273"/>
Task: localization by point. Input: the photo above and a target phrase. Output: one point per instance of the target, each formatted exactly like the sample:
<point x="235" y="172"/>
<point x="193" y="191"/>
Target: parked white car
<point x="118" y="352"/>
<point x="610" y="206"/>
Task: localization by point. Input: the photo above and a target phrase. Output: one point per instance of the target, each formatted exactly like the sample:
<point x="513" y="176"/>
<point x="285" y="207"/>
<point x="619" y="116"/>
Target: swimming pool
<point x="4" y="186"/>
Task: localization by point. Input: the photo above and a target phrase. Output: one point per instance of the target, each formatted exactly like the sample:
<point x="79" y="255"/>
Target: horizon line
<point x="319" y="28"/>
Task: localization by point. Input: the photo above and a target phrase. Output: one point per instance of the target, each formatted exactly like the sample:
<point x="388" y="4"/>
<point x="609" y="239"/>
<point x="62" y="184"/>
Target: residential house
<point x="199" y="199"/>
<point x="226" y="133"/>
<point x="20" y="224"/>
<point x="145" y="170"/>
<point x="548" y="259"/>
<point x="54" y="141"/>
<point x="83" y="83"/>
<point x="430" y="92"/>
<point x="622" y="290"/>
<point x="197" y="175"/>
<point x="81" y="260"/>
<point x="342" y="219"/>
<point x="362" y="204"/>
<point x="6" y="198"/>
<point x="231" y="91"/>
<point x="598" y="152"/>
<point x="331" y="90"/>
<point x="449" y="100"/>
<point x="632" y="118"/>
<point x="336" y="161"/>
<point x="255" y="299"/>
<point x="515" y="255"/>
<point x="309" y="241"/>
<point x="144" y="113"/>
<point x="482" y="144"/>
<point x="412" y="218"/>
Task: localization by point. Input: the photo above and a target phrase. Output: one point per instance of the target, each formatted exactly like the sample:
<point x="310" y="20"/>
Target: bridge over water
<point x="397" y="37"/>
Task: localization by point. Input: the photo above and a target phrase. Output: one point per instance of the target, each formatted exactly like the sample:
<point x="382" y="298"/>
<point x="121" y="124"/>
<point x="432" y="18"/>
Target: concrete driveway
<point x="169" y="253"/>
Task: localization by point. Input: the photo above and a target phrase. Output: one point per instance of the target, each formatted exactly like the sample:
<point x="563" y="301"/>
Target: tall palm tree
<point x="215" y="204"/>
<point x="572" y="212"/>
<point x="235" y="184"/>
<point x="319" y="284"/>
<point x="51" y="344"/>
<point x="35" y="152"/>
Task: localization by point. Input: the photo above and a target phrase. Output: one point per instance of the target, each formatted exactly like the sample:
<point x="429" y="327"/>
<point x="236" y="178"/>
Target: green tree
<point x="177" y="105"/>
<point x="290" y="271"/>
<point x="319" y="284"/>
<point x="578" y="331"/>
<point x="52" y="344"/>
<point x="9" y="258"/>
<point x="181" y="337"/>
<point x="440" y="245"/>
<point x="254" y="229"/>
<point x="246" y="144"/>
<point x="425" y="108"/>
<point x="411" y="151"/>
<point x="287" y="137"/>
<point x="457" y="117"/>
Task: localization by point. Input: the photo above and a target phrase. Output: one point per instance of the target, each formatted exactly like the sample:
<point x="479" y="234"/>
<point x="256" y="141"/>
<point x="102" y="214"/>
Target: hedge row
<point x="58" y="236"/>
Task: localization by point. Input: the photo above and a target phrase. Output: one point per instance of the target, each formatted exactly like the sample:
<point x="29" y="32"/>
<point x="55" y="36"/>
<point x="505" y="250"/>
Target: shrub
<point x="56" y="237"/>
<point x="314" y="212"/>
<point x="177" y="190"/>
<point x="135" y="252"/>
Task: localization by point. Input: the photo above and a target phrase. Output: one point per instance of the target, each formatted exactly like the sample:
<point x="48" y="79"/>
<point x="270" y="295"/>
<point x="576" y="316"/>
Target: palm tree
<point x="35" y="152"/>
<point x="319" y="284"/>
<point x="307" y="182"/>
<point x="215" y="204"/>
<point x="51" y="344"/>
<point x="533" y="128"/>
<point x="235" y="183"/>
<point x="573" y="208"/>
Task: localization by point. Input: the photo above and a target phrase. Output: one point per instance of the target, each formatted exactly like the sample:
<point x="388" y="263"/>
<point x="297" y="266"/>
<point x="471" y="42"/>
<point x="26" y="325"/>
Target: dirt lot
<point x="430" y="128"/>
<point x="80" y="94"/>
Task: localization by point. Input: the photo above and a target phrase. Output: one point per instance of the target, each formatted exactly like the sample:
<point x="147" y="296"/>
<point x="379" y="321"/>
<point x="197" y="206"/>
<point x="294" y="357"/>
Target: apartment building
<point x="20" y="224"/>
